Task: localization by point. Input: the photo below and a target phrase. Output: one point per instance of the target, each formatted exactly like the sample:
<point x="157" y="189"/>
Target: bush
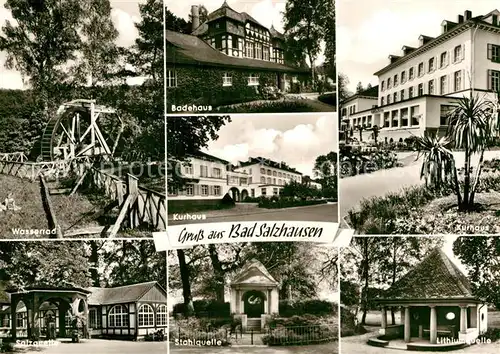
<point x="348" y="324"/>
<point x="205" y="308"/>
<point x="271" y="107"/>
<point x="492" y="334"/>
<point x="308" y="307"/>
<point x="277" y="203"/>
<point x="355" y="161"/>
<point x="301" y="330"/>
<point x="329" y="98"/>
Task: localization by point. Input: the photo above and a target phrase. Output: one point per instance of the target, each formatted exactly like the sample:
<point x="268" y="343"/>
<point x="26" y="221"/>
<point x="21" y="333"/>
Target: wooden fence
<point x="138" y="205"/>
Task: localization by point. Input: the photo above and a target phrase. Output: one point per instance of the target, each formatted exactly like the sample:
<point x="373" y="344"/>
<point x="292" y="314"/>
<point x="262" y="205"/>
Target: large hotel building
<point x="420" y="86"/>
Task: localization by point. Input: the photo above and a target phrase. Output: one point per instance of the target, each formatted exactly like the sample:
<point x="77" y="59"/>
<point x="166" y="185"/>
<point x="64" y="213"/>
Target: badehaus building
<point x="227" y="53"/>
<point x="208" y="177"/>
<point x="420" y="86"/>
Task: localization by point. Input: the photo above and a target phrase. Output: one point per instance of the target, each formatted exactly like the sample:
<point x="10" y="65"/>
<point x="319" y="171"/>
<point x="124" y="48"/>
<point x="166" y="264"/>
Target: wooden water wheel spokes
<point x="81" y="128"/>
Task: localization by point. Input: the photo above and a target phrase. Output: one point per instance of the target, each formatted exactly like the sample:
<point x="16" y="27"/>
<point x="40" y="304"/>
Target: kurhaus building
<point x="125" y="312"/>
<point x="209" y="177"/>
<point x="230" y="53"/>
<point x="419" y="87"/>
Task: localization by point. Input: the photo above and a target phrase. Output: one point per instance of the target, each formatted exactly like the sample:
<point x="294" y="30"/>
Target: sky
<point x="296" y="139"/>
<point x="368" y="34"/>
<point x="124" y="14"/>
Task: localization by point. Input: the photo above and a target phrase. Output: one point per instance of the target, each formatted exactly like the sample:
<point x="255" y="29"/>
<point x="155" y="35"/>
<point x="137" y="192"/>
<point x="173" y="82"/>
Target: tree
<point x="342" y="90"/>
<point x="41" y="42"/>
<point x="375" y="133"/>
<point x="176" y="24"/>
<point x="186" y="136"/>
<point x="330" y="41"/>
<point x="99" y="51"/>
<point x="359" y="88"/>
<point x="305" y="23"/>
<point x="474" y="124"/>
<point x="325" y="168"/>
<point x="481" y="257"/>
<point x="148" y="49"/>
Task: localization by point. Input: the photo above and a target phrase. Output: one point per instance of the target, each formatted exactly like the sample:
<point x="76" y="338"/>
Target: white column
<point x="463" y="319"/>
<point x="407" y="324"/>
<point x="433" y="325"/>
<point x="384" y="317"/>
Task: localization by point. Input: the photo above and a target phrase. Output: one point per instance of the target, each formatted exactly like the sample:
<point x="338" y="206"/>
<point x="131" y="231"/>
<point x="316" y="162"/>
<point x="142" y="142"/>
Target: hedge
<point x="205" y="308"/>
<point x="270" y="203"/>
<point x="289" y="308"/>
<point x="328" y="98"/>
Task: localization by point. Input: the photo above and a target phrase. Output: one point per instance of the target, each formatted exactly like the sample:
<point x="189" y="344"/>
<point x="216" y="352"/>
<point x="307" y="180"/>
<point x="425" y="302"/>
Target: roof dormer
<point x="393" y="58"/>
<point x="407" y="49"/>
<point x="447" y="26"/>
<point x="423" y="40"/>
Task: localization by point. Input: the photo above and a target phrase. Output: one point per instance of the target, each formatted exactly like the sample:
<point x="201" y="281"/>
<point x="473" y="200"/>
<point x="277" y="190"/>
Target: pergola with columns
<point x="436" y="304"/>
<point x="73" y="300"/>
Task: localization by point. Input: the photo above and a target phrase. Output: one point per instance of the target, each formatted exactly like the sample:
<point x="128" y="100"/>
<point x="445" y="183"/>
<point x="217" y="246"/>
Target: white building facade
<point x="208" y="177"/>
<point x="418" y="89"/>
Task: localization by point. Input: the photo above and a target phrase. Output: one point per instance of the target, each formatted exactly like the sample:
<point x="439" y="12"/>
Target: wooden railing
<point x="138" y="205"/>
<point x="13" y="157"/>
<point x="50" y="170"/>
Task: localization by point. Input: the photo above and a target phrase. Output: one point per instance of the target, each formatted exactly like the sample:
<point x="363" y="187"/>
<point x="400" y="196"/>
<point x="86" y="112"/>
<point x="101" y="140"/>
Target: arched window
<point x="263" y="180"/>
<point x="161" y="315"/>
<point x="118" y="316"/>
<point x="146" y="316"/>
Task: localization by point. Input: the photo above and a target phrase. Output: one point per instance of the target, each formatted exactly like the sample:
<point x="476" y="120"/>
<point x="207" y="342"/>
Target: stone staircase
<point x="253" y="324"/>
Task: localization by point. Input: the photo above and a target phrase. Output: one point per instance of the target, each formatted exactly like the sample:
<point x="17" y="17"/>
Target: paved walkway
<point x="352" y="190"/>
<point x="330" y="348"/>
<point x="319" y="213"/>
<point x="98" y="346"/>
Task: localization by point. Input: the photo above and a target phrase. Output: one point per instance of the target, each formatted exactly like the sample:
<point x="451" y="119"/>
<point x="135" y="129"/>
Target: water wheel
<point x="81" y="128"/>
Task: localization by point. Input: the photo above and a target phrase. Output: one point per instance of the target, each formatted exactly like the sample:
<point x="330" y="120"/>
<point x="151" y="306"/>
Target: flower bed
<point x="354" y="161"/>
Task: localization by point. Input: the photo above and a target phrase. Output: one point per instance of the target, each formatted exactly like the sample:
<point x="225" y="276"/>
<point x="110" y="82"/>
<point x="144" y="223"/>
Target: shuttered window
<point x="494" y="53"/>
<point x="493" y="80"/>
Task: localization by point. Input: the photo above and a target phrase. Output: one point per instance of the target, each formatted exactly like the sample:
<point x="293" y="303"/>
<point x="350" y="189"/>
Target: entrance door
<point x="279" y="81"/>
<point x="254" y="303"/>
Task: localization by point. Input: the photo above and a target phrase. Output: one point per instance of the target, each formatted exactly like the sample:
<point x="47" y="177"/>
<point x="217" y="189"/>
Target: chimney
<point x="467" y="15"/>
<point x="195" y="17"/>
<point x="460" y="19"/>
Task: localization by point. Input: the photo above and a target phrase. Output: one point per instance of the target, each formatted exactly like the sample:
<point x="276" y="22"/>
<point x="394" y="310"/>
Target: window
<point x="188" y="170"/>
<point x="410" y="92"/>
<point x="403" y="77"/>
<point x="446" y="110"/>
<point x="382" y="85"/>
<point x="274" y="180"/>
<point x="430" y="87"/>
<point x="402" y="95"/>
<point x="431" y="65"/>
<point x="263" y="191"/>
<point x="190" y="189"/>
<point x="415" y="117"/>
<point x="457" y="53"/>
<point x="252" y="192"/>
<point x="203" y="171"/>
<point x="395" y="95"/>
<point x="227" y="80"/>
<point x="275" y="191"/>
<point x="381" y="101"/>
<point x="263" y="180"/>
<point x="275" y="173"/>
<point x="388" y="99"/>
<point x="266" y="55"/>
<point x="386" y="120"/>
<point x="258" y="51"/>
<point x="420" y="89"/>
<point x="494" y="53"/>
<point x="420" y="69"/>
<point x="217" y="190"/>
<point x="263" y="171"/>
<point x="404" y="117"/>
<point x="411" y="73"/>
<point x="395" y="121"/>
<point x="253" y="80"/>
<point x="161" y="315"/>
<point x="279" y="174"/>
<point x="118" y="316"/>
<point x="395" y="80"/>
<point x="268" y="180"/>
<point x="216" y="172"/>
<point x="171" y="78"/>
<point x="443" y="60"/>
<point x="389" y="84"/>
<point x="204" y="189"/>
<point x="442" y="85"/>
<point x="21" y="319"/>
<point x="249" y="46"/>
<point x="146" y="316"/>
<point x="493" y="80"/>
<point x="457" y="79"/>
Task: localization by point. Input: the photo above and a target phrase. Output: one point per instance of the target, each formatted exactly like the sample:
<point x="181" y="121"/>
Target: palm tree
<point x="438" y="167"/>
<point x="473" y="125"/>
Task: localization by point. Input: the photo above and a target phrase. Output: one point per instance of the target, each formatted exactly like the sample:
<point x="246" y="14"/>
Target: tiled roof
<point x="436" y="277"/>
<point x="267" y="162"/>
<point x="254" y="272"/>
<point x="189" y="49"/>
<point x="120" y="294"/>
<point x="205" y="156"/>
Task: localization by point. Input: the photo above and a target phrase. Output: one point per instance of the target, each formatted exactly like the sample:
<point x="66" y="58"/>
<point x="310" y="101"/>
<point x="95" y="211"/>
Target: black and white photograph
<point x="81" y="297"/>
<point x="254" y="298"/>
<point x="241" y="56"/>
<point x="81" y="119"/>
<point x="414" y="294"/>
<point x="252" y="168"/>
<point x="419" y="115"/>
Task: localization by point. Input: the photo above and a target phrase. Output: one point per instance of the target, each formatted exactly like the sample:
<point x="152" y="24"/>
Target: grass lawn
<point x="27" y="196"/>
